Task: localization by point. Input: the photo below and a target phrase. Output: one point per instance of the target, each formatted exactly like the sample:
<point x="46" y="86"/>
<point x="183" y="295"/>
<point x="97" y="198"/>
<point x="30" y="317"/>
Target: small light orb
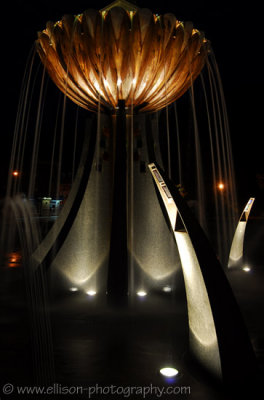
<point x="169" y="372"/>
<point x="246" y="268"/>
<point x="91" y="292"/>
<point x="73" y="289"/>
<point x="15" y="173"/>
<point x="167" y="289"/>
<point x="141" y="293"/>
<point x="220" y="186"/>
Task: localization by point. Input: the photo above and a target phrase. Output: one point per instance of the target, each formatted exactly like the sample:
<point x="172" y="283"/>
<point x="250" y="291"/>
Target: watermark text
<point x="97" y="390"/>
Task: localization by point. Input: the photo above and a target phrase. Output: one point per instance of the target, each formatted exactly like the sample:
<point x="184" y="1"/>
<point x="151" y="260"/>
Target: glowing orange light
<point x="15" y="173"/>
<point x="14" y="260"/>
<point x="220" y="186"/>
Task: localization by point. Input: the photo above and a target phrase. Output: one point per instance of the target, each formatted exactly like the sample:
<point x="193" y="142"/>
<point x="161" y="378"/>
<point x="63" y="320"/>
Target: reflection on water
<point x="13" y="259"/>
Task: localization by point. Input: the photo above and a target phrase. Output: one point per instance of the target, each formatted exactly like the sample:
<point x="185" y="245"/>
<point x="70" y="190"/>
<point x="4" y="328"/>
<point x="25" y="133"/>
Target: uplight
<point x="141" y="293"/>
<point x="169" y="372"/>
<point x="91" y="292"/>
<point x="167" y="289"/>
<point x="246" y="269"/>
<point x="73" y="289"/>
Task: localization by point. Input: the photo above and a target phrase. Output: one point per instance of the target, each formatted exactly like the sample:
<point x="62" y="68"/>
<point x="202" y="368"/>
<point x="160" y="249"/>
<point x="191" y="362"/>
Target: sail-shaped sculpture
<point x="237" y="247"/>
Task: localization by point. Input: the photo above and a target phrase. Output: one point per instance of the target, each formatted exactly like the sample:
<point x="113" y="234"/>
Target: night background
<point x="235" y="33"/>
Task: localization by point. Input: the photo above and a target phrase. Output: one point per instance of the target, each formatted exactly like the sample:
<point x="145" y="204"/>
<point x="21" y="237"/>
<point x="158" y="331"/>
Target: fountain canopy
<point x="122" y="52"/>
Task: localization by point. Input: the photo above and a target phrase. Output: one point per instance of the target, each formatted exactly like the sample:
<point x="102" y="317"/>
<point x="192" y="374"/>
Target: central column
<point x="117" y="282"/>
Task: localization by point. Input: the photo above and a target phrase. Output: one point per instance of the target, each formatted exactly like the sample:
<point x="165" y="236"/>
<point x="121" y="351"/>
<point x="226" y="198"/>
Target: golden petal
<point x="135" y="56"/>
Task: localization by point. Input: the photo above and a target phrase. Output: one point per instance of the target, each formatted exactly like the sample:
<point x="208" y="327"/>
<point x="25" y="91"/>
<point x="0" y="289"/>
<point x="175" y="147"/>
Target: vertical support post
<point x="117" y="282"/>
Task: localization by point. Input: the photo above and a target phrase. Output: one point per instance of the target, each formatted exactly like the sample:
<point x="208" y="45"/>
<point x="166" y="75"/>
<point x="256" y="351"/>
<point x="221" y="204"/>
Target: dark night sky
<point x="234" y="29"/>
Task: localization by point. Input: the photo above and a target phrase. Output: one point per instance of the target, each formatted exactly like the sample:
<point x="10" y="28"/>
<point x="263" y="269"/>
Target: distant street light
<point x="220" y="186"/>
<point x="15" y="173"/>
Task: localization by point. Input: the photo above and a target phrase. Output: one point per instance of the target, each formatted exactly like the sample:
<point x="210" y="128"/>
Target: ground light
<point x="169" y="372"/>
<point x="246" y="268"/>
<point x="141" y="293"/>
<point x="73" y="289"/>
<point x="91" y="292"/>
<point x="167" y="289"/>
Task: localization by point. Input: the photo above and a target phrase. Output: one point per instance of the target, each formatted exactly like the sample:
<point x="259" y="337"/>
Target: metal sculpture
<point x="122" y="53"/>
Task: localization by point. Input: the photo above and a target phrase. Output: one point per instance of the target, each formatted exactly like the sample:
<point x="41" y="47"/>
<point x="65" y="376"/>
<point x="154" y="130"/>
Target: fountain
<point x="119" y="68"/>
<point x="117" y="231"/>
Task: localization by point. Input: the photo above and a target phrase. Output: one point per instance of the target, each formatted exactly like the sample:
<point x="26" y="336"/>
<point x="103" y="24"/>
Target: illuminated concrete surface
<point x="85" y="249"/>
<point x="83" y="254"/>
<point x="156" y="259"/>
<point x="203" y="339"/>
<point x="236" y="251"/>
<point x="82" y="259"/>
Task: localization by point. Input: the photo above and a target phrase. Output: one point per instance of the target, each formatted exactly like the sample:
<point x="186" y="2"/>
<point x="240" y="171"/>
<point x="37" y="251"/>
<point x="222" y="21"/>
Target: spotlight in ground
<point x="91" y="292"/>
<point x="246" y="268"/>
<point x="167" y="289"/>
<point x="73" y="289"/>
<point x="141" y="293"/>
<point x="169" y="372"/>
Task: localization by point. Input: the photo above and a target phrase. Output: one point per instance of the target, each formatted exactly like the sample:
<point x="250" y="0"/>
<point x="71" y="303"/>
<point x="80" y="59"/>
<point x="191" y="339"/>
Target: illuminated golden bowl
<point x="122" y="53"/>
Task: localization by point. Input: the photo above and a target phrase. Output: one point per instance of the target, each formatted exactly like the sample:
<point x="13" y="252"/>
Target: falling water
<point x="179" y="165"/>
<point x="210" y="145"/>
<point x="53" y="148"/>
<point x="199" y="166"/>
<point x="130" y="199"/>
<point x="74" y="145"/>
<point x="19" y="211"/>
<point x="21" y="227"/>
<point x="226" y="201"/>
